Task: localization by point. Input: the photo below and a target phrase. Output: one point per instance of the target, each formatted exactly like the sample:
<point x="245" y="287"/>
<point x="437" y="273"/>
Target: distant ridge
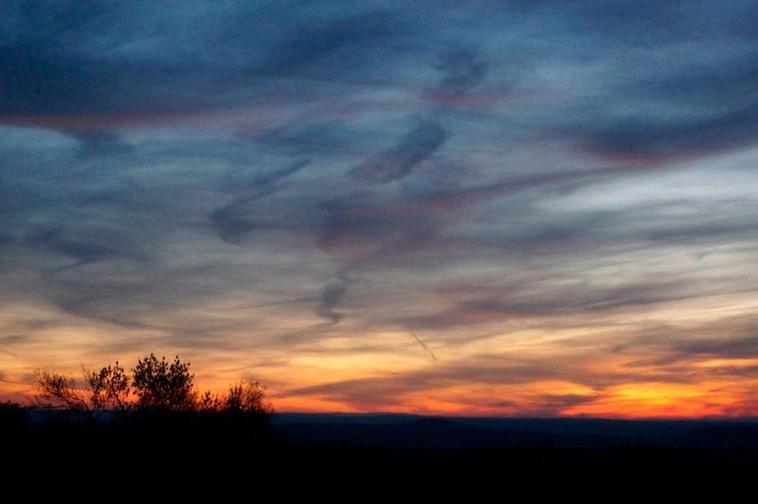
<point x="414" y="431"/>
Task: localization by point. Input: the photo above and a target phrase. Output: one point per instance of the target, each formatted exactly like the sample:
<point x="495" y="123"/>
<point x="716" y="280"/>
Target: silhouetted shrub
<point x="248" y="397"/>
<point x="209" y="403"/>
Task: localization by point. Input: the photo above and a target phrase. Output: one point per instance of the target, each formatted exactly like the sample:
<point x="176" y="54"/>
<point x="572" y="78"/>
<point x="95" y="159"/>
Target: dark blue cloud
<point x="130" y="62"/>
<point x="230" y="221"/>
<point x="415" y="147"/>
<point x="82" y="251"/>
<point x="648" y="139"/>
<point x="461" y="69"/>
<point x="323" y="49"/>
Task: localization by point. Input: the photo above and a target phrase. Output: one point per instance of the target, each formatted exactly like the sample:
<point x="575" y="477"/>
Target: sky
<point x="530" y="208"/>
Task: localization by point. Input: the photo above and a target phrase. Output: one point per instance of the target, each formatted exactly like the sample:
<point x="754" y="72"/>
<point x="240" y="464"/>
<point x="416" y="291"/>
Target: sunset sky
<point x="526" y="207"/>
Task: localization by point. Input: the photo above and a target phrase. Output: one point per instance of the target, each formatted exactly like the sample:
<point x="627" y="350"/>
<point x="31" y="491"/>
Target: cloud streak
<point x="415" y="147"/>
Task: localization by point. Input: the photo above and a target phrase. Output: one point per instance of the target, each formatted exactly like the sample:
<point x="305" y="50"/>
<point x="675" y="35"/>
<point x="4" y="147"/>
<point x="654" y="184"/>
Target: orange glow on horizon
<point x="627" y="401"/>
<point x="522" y="373"/>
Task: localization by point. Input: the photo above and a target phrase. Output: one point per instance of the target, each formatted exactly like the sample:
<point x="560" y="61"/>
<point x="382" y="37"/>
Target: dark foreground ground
<point x="366" y="456"/>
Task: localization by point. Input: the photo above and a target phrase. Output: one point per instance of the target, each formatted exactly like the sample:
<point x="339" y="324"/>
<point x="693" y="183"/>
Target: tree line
<point x="153" y="386"/>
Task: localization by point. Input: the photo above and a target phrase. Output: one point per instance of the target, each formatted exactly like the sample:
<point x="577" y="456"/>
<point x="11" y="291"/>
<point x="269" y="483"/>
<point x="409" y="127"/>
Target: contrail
<point x="423" y="345"/>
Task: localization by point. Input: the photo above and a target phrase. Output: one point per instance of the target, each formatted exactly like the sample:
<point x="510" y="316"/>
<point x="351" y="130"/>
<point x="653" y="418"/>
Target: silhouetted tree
<point x="209" y="403"/>
<point x="155" y="385"/>
<point x="247" y="397"/>
<point x="57" y="391"/>
<point x="164" y="386"/>
<point x="109" y="388"/>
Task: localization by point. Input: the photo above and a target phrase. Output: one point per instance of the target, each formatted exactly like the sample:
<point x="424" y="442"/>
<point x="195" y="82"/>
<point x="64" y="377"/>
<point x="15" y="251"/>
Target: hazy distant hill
<point x="409" y="431"/>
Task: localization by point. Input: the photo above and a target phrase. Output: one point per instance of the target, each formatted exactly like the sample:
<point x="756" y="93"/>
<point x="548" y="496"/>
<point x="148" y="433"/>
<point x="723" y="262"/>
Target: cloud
<point x="519" y="301"/>
<point x="52" y="87"/>
<point x="727" y="339"/>
<point x="102" y="143"/>
<point x="646" y="139"/>
<point x="535" y="386"/>
<point x="363" y="223"/>
<point x="740" y="348"/>
<point x="103" y="67"/>
<point x="321" y="49"/>
<point x="229" y="220"/>
<point x="415" y="147"/>
<point x="330" y="297"/>
<point x="83" y="251"/>
<point x="389" y="390"/>
<point x="462" y="69"/>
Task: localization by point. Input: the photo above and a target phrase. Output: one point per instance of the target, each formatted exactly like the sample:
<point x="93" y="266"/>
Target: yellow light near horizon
<point x="657" y="400"/>
<point x="730" y="363"/>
